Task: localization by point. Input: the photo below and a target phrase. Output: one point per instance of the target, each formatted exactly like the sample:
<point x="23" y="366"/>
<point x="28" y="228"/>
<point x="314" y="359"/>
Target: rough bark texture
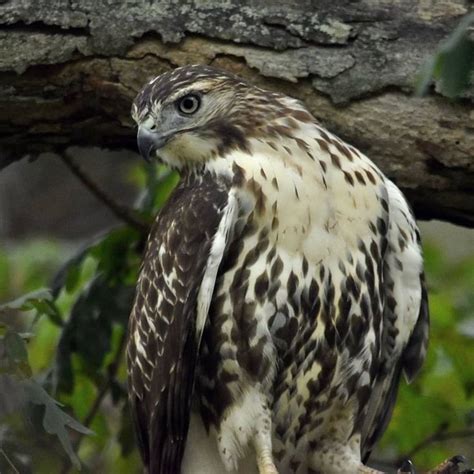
<point x="70" y="69"/>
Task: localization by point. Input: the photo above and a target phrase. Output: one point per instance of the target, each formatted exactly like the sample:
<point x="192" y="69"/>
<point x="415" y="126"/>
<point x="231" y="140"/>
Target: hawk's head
<point x="195" y="113"/>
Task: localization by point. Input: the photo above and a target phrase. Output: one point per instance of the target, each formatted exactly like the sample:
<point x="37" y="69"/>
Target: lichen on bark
<point x="70" y="69"/>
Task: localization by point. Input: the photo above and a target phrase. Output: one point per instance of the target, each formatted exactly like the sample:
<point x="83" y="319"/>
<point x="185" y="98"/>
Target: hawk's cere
<point x="281" y="294"/>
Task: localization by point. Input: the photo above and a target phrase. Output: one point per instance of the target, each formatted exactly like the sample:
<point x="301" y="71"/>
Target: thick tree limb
<point x="69" y="70"/>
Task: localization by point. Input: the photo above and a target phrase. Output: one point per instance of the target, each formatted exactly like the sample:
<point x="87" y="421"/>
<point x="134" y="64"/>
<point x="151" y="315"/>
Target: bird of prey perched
<point x="281" y="294"/>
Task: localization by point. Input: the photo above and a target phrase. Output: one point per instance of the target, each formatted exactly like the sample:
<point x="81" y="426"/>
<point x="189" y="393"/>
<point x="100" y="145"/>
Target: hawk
<point x="281" y="293"/>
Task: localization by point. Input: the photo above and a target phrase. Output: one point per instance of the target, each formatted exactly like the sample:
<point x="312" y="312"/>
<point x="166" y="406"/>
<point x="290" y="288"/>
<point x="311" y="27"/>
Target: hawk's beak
<point x="149" y="141"/>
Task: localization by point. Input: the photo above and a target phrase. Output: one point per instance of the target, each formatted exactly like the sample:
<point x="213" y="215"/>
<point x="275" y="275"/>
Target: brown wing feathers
<point x="162" y="349"/>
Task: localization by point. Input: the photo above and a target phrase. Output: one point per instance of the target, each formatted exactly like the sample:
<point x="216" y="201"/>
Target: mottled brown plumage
<point x="281" y="295"/>
<point x="179" y="242"/>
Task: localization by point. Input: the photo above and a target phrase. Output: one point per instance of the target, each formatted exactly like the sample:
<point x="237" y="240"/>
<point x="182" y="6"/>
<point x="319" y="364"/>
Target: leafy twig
<point x="123" y="213"/>
<point x="112" y="372"/>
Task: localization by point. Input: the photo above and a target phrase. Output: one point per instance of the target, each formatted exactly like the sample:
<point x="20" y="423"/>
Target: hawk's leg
<point x="265" y="462"/>
<point x="247" y="423"/>
<point x="333" y="457"/>
<point x="263" y="447"/>
<point x="262" y="441"/>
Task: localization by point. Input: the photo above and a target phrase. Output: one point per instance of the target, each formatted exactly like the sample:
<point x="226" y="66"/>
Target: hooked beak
<point x="149" y="141"/>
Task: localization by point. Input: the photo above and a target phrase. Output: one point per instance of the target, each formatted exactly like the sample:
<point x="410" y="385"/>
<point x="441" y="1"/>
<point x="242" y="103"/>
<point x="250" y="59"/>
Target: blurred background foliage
<point x="62" y="335"/>
<point x="66" y="335"/>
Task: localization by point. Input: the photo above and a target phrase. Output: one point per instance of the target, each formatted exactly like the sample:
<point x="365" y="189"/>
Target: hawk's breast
<point x="296" y="309"/>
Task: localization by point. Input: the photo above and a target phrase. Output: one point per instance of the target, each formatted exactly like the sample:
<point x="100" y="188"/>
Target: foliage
<point x="452" y="65"/>
<point x="61" y="349"/>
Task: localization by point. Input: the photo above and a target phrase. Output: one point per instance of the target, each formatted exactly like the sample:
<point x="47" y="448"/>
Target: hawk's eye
<point x="189" y="104"/>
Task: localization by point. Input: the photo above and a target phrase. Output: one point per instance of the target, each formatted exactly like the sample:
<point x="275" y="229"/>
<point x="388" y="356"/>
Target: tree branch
<point x="438" y="436"/>
<point x="123" y="213"/>
<point x="10" y="463"/>
<point x="352" y="63"/>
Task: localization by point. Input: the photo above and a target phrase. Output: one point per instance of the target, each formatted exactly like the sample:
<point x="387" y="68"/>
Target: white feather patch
<point x="219" y="245"/>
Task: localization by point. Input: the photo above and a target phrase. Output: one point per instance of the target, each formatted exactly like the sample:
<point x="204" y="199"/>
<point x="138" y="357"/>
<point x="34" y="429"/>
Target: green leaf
<point x="167" y="181"/>
<point x="116" y="254"/>
<point x="12" y="397"/>
<point x="17" y="394"/>
<point x="72" y="279"/>
<point x="456" y="67"/>
<point x="42" y="347"/>
<point x="89" y="329"/>
<point x="83" y="396"/>
<point x="15" y="347"/>
<point x="13" y="354"/>
<point x="23" y="302"/>
<point x="452" y="64"/>
<point x="39" y="300"/>
<point x="49" y="309"/>
<point x="68" y="276"/>
<point x="160" y="182"/>
<point x="55" y="421"/>
<point x="426" y="74"/>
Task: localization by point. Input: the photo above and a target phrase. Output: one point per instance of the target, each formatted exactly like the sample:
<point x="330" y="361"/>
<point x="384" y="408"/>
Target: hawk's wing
<point x="174" y="291"/>
<point x="405" y="318"/>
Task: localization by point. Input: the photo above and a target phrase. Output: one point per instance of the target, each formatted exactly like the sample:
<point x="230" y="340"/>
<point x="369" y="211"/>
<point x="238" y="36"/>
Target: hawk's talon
<point x="265" y="463"/>
<point x="458" y="459"/>
<point x="268" y="468"/>
<point x="406" y="467"/>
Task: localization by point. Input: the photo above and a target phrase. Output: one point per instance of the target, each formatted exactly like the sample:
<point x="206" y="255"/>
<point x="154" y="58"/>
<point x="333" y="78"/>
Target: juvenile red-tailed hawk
<point x="281" y="295"/>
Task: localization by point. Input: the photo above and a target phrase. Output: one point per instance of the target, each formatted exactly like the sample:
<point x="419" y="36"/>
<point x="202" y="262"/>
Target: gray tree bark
<point x="70" y="69"/>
